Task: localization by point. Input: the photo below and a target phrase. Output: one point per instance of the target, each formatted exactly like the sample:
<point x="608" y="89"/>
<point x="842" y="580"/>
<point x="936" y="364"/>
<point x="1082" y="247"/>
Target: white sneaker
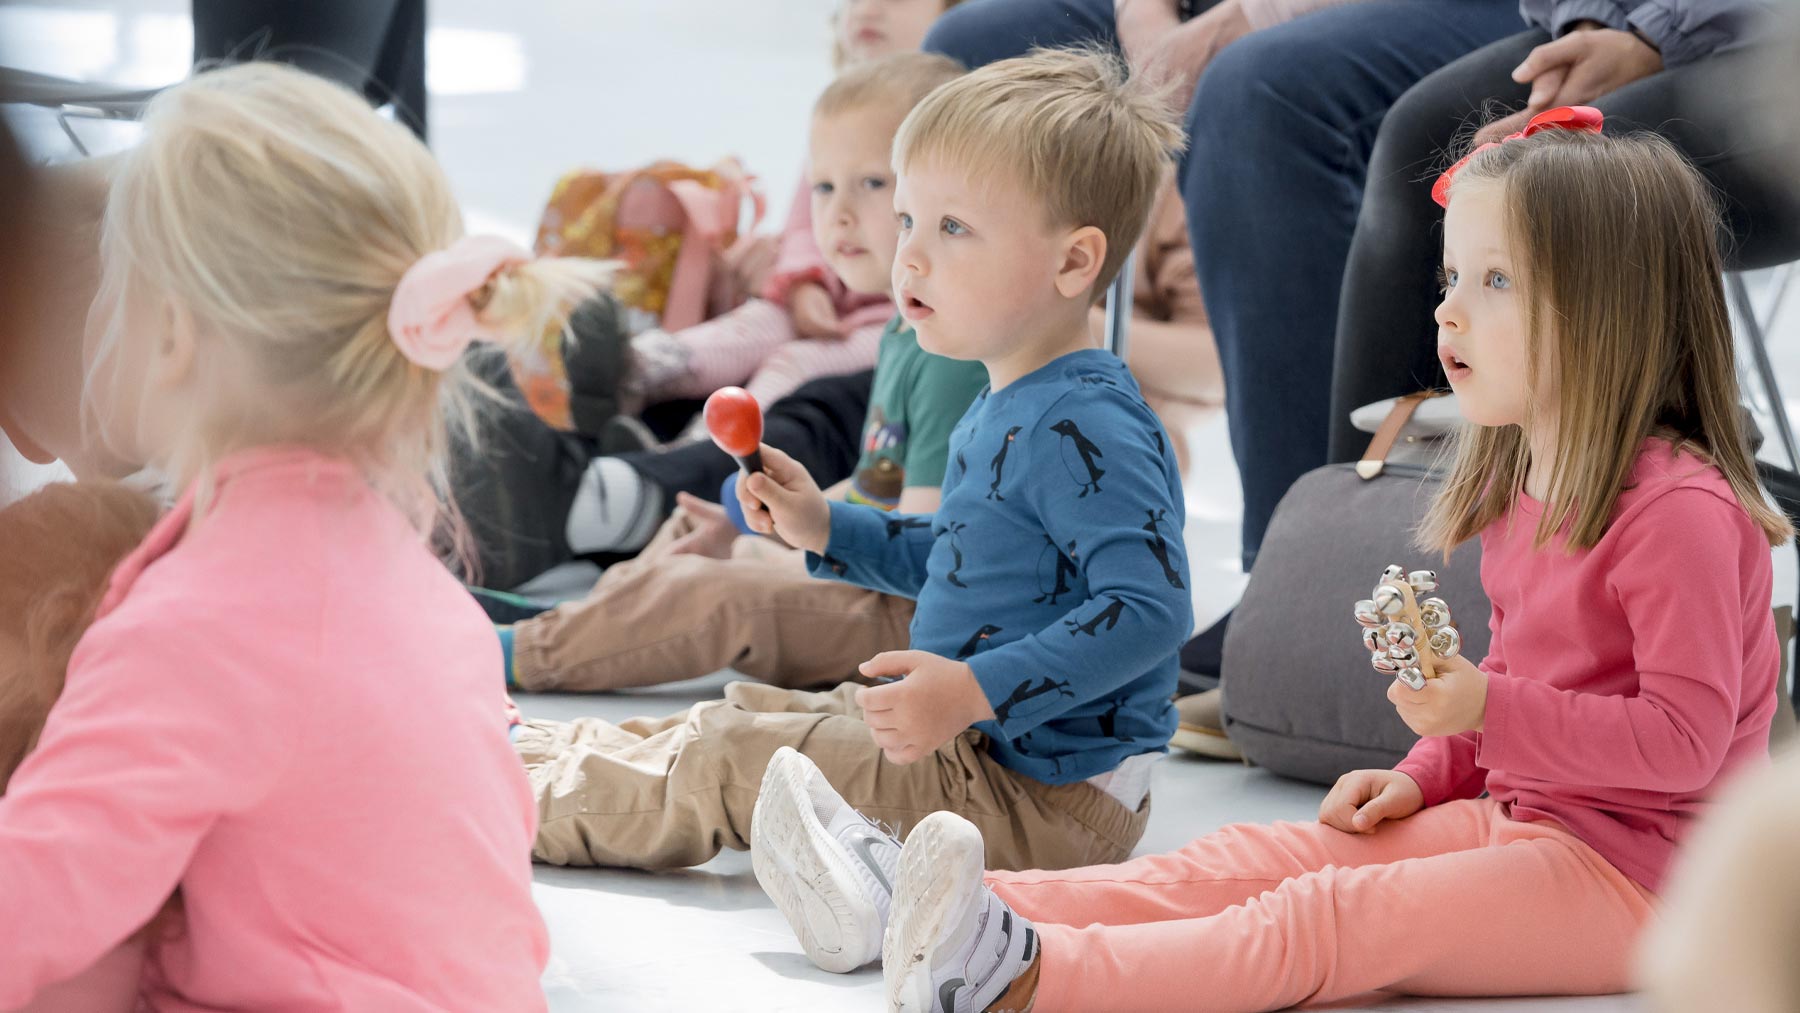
<point x="829" y="868"/>
<point x="952" y="946"/>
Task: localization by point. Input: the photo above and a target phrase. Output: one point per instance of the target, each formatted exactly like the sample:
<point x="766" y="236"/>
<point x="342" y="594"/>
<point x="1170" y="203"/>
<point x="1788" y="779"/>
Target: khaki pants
<point x="673" y="792"/>
<point x="664" y="618"/>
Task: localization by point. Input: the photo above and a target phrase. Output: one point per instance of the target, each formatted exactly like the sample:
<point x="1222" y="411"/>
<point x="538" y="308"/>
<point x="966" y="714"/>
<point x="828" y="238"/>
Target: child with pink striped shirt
<point x="806" y="322"/>
<point x="286" y="300"/>
<point x="1626" y="550"/>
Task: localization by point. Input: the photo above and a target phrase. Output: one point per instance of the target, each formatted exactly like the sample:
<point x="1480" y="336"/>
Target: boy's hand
<point x="814" y="314"/>
<point x="937" y="700"/>
<point x="705" y="530"/>
<point x="783" y="500"/>
<point x="1453" y="703"/>
<point x="1363" y="798"/>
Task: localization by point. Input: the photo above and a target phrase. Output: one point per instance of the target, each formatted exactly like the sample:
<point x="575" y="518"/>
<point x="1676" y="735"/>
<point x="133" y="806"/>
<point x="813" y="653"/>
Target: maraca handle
<point x="751" y="462"/>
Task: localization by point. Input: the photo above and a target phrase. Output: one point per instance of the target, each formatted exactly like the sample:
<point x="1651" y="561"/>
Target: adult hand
<point x="1140" y="24"/>
<point x="1453" y="703"/>
<point x="783" y="500"/>
<point x="935" y="701"/>
<point x="1589" y="62"/>
<point x="1178" y="58"/>
<point x="815" y="316"/>
<point x="705" y="529"/>
<point x="1363" y="798"/>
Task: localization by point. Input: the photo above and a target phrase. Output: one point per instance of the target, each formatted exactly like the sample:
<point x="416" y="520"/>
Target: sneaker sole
<point x="806" y="873"/>
<point x="1205" y="742"/>
<point x="940" y="867"/>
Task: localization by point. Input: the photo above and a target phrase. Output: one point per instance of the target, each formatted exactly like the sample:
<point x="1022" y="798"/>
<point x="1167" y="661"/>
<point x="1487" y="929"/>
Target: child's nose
<point x="1448" y="315"/>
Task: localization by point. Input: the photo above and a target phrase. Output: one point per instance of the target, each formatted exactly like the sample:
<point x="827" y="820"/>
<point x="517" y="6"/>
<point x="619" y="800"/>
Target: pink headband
<point x="1583" y="119"/>
<point x="431" y="319"/>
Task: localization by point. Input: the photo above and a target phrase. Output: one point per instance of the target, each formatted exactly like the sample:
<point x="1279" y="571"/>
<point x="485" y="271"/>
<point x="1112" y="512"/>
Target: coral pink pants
<point x="1456" y="900"/>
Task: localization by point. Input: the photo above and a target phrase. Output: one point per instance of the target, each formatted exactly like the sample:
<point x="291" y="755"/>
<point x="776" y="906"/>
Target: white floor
<point x="522" y="92"/>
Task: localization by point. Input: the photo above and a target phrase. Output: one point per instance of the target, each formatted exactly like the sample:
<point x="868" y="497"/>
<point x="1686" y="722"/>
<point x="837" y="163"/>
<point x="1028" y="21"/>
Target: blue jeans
<point x="1280" y="131"/>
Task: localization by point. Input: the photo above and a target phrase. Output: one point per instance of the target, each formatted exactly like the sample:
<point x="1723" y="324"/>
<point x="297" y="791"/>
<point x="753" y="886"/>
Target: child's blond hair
<point x="1616" y="240"/>
<point x="273" y="214"/>
<point x="897" y="82"/>
<point x="1092" y="143"/>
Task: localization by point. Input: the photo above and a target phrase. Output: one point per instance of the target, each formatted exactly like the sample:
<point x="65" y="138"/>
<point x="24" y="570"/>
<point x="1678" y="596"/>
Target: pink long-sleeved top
<point x="1625" y="681"/>
<point x="291" y="711"/>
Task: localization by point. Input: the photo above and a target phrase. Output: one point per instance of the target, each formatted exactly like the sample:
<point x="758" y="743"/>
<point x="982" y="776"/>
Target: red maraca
<point x="735" y="421"/>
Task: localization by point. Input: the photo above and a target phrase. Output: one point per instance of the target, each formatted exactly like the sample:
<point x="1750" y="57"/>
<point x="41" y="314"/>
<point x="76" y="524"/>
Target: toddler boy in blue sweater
<point x="1052" y="584"/>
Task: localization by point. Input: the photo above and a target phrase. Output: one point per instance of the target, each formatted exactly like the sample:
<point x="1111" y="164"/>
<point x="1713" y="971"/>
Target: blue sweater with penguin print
<point x="1054" y="567"/>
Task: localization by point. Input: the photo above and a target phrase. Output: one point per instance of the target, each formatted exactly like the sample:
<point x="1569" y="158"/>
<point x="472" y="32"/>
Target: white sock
<point x="615" y="509"/>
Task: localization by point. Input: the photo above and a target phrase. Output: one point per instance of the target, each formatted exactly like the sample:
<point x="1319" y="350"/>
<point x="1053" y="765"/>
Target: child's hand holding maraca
<point x="783" y="500"/>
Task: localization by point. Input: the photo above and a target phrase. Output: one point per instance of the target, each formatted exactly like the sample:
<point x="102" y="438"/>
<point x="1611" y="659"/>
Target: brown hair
<point x="1090" y="141"/>
<point x="900" y="81"/>
<point x="60" y="545"/>
<point x="1619" y="269"/>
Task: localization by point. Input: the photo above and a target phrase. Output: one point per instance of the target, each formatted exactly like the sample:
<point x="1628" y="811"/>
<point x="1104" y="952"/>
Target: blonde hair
<point x="275" y="213"/>
<point x="1092" y="142"/>
<point x="1618" y="266"/>
<point x="898" y="82"/>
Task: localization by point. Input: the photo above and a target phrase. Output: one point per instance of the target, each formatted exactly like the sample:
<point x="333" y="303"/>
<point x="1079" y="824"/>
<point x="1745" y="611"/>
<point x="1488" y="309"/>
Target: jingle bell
<point x="1388" y="601"/>
<point x="1446" y="643"/>
<point x="1368" y="615"/>
<point x="1423" y="580"/>
<point x="1404" y="655"/>
<point x="1385" y="665"/>
<point x="1400" y="634"/>
<point x="1435" y="613"/>
<point x="1373" y="641"/>
<point x="1392" y="573"/>
<point x="1412" y="677"/>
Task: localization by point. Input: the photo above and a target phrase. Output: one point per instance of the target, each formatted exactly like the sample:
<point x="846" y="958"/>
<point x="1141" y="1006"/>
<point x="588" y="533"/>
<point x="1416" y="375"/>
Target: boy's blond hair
<point x="1626" y="328"/>
<point x="1070" y="124"/>
<point x="898" y="82"/>
<point x="272" y="214"/>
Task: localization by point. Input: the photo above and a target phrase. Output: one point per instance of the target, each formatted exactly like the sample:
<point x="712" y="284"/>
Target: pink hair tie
<point x="431" y="319"/>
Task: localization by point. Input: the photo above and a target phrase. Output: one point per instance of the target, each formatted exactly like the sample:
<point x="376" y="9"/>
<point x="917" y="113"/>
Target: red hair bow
<point x="1585" y="119"/>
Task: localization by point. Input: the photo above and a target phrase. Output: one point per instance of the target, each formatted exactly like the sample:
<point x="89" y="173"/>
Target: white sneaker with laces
<point x="952" y="945"/>
<point x="829" y="868"/>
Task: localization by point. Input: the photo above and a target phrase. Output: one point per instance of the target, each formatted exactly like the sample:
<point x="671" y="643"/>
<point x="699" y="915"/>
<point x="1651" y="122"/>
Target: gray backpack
<point x="1299" y="695"/>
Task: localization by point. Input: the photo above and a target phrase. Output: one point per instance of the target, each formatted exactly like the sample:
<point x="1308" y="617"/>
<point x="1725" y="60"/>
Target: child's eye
<point x="905" y="221"/>
<point x="1446" y="279"/>
<point x="952" y="227"/>
<point x="1496" y="280"/>
<point x="875" y="183"/>
<point x="822" y="189"/>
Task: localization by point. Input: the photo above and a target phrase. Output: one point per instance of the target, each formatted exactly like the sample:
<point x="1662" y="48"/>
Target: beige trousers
<point x="673" y="792"/>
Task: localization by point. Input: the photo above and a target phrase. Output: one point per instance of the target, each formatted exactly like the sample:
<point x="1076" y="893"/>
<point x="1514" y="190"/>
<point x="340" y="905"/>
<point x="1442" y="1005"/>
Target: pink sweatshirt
<point x="1627" y="681"/>
<point x="801" y="260"/>
<point x="292" y="711"/>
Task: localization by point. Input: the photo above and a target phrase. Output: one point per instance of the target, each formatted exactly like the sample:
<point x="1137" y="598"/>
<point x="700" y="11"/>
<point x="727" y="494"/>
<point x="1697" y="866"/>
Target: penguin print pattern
<point x="1109" y="721"/>
<point x="896" y="525"/>
<point x="1080" y="456"/>
<point x="1054" y="571"/>
<point x="1159" y="546"/>
<point x="1028" y="690"/>
<point x="954" y="577"/>
<point x="999" y="463"/>
<point x="979" y="639"/>
<point x="1105" y="619"/>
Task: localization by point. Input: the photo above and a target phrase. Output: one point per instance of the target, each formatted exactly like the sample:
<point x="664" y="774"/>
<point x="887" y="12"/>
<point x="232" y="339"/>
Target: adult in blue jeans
<point x="1285" y="101"/>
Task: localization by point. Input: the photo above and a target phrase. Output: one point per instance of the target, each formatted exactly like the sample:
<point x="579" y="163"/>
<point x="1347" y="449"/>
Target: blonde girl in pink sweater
<point x="1626" y="549"/>
<point x="286" y="298"/>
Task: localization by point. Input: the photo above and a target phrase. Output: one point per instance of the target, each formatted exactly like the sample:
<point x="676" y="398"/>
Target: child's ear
<point x="175" y="351"/>
<point x="1084" y="251"/>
